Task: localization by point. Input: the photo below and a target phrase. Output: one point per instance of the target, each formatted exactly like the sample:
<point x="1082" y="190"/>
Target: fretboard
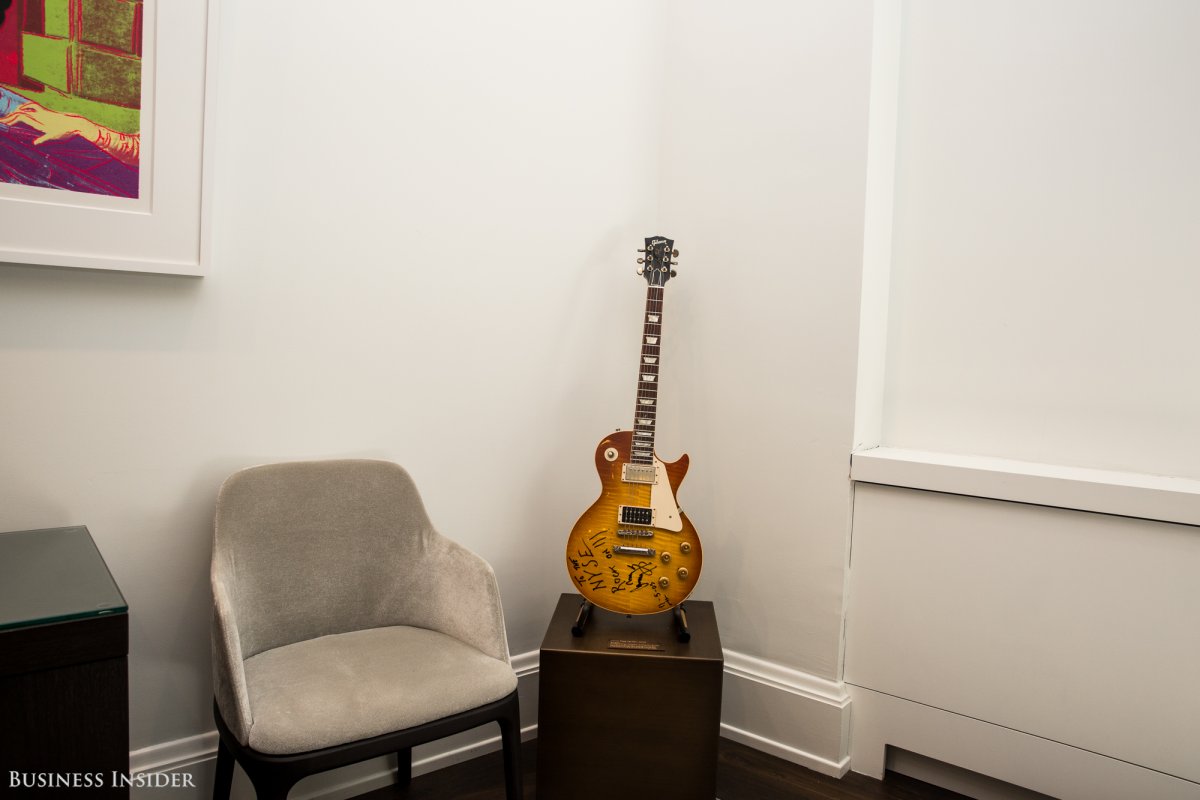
<point x="645" y="410"/>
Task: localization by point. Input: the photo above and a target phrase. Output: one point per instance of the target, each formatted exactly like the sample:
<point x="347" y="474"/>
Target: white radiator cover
<point x="1004" y="629"/>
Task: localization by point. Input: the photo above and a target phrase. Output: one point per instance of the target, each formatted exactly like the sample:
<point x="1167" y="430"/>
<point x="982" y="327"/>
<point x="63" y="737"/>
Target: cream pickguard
<point x="662" y="501"/>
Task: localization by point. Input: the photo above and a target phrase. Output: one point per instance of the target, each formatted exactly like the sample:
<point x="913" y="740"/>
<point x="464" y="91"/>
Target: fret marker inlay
<point x="652" y="317"/>
<point x="651" y="340"/>
<point x="649" y="359"/>
<point x="648" y="378"/>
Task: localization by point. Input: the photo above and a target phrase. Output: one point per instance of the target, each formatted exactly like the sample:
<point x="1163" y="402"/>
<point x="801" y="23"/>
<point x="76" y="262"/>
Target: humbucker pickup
<point x="637" y="473"/>
<point x="626" y="550"/>
<point x="636" y="515"/>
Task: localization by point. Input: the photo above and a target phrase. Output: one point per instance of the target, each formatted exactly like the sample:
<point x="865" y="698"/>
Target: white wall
<point x="763" y="169"/>
<point x="763" y="166"/>
<point x="424" y="227"/>
<point x="422" y="217"/>
<point x="1045" y="244"/>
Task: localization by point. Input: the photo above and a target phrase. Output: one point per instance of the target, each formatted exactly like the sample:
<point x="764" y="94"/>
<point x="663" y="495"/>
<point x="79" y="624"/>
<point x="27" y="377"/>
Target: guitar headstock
<point x="657" y="266"/>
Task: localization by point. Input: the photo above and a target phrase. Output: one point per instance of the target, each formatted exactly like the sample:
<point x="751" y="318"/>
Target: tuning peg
<point x="673" y="273"/>
<point x="641" y="261"/>
<point x="674" y="254"/>
<point x="643" y="250"/>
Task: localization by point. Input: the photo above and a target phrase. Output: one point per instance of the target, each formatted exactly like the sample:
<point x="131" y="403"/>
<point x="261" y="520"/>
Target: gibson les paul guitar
<point x="634" y="551"/>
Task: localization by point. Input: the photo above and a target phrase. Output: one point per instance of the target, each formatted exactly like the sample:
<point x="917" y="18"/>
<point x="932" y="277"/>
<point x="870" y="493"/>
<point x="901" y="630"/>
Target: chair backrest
<point x="312" y="548"/>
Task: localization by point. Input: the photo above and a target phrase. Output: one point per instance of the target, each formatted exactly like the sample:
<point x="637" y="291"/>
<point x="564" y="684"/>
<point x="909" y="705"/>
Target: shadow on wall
<point x="46" y="308"/>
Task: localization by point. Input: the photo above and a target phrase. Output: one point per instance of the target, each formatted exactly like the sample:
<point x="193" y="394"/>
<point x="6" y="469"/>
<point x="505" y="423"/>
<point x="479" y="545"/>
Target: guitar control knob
<point x="663" y="582"/>
<point x="685" y="548"/>
<point x="666" y="558"/>
<point x="682" y="573"/>
<point x="610" y="454"/>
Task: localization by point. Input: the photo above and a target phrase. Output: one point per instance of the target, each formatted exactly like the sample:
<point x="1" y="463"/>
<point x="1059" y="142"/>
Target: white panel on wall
<point x="1074" y="627"/>
<point x="1045" y="243"/>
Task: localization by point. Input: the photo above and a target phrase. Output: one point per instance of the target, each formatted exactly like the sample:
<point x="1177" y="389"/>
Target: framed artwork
<point x="103" y="133"/>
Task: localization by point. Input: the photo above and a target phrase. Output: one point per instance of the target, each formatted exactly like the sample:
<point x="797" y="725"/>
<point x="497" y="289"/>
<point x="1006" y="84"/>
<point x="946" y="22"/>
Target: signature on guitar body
<point x="634" y="551"/>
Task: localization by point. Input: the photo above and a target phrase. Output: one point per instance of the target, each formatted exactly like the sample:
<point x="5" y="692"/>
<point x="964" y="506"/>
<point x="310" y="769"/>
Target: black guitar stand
<point x="585" y="611"/>
<point x="681" y="627"/>
<point x="678" y="614"/>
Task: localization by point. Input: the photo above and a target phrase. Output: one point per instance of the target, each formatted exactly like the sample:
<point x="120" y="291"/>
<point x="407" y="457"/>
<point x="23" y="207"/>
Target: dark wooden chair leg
<point x="224" y="780"/>
<point x="510" y="735"/>
<point x="271" y="786"/>
<point x="404" y="767"/>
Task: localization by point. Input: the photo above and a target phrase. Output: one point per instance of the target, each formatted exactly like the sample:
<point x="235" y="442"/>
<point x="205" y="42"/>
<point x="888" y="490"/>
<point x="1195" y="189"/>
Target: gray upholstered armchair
<point x="346" y="627"/>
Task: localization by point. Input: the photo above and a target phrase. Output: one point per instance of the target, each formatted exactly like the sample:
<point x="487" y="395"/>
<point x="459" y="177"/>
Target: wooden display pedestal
<point x="636" y="722"/>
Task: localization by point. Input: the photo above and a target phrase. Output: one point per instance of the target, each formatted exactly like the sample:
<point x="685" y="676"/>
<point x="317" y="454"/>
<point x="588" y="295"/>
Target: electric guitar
<point x="634" y="551"/>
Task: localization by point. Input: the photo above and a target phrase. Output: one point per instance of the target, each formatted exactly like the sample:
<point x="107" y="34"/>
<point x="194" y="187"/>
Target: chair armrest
<point x="455" y="592"/>
<point x="229" y="677"/>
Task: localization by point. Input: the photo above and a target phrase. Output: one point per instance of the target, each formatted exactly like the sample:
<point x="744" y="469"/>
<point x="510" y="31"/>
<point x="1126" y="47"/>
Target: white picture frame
<point x="165" y="229"/>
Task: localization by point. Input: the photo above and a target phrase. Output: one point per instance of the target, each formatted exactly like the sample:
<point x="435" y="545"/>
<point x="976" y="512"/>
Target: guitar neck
<point x="645" y="411"/>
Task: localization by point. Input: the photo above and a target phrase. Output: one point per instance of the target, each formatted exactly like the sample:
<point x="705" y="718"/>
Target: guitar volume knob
<point x="682" y="573"/>
<point x="663" y="582"/>
<point x="685" y="548"/>
<point x="666" y="558"/>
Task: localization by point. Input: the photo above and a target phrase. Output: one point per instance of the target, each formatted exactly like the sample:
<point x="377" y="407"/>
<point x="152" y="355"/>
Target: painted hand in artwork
<point x="55" y="125"/>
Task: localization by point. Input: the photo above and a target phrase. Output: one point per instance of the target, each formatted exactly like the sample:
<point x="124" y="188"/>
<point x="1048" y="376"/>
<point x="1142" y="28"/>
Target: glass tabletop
<point x="53" y="575"/>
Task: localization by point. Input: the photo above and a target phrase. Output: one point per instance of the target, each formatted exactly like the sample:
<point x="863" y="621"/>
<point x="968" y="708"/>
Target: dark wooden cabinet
<point x="627" y="710"/>
<point x="64" y="641"/>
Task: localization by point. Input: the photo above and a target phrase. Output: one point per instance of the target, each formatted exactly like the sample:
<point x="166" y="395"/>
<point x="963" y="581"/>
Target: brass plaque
<point x="632" y="644"/>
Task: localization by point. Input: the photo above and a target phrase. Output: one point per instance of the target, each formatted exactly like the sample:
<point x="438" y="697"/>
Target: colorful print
<point x="70" y="94"/>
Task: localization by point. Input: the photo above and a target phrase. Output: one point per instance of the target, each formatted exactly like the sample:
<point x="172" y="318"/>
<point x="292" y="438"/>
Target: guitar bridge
<point x="626" y="550"/>
<point x="631" y="533"/>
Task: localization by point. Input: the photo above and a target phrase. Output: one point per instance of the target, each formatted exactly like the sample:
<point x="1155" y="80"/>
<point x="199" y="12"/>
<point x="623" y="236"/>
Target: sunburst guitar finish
<point x="633" y="583"/>
<point x="634" y="551"/>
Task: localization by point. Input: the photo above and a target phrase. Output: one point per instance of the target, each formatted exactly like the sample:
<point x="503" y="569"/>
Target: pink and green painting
<point x="70" y="95"/>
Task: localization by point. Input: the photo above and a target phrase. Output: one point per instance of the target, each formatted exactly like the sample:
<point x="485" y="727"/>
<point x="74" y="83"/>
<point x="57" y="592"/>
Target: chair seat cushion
<point x="350" y="686"/>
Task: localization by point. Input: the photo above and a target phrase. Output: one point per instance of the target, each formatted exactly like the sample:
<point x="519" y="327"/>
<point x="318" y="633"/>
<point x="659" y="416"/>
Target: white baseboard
<point x="175" y="755"/>
<point x="793" y="715"/>
<point x="790" y="714"/>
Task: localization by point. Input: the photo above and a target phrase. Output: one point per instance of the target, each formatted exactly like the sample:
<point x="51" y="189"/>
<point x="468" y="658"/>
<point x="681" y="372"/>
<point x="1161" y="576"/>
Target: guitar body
<point x="634" y="582"/>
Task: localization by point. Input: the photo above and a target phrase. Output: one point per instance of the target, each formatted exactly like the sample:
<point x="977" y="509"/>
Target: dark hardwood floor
<point x="742" y="774"/>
